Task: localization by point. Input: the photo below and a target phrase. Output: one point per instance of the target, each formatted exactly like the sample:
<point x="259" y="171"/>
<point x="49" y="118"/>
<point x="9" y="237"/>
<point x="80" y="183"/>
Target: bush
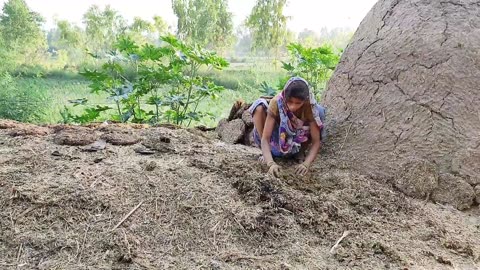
<point x="234" y="78"/>
<point x="8" y="61"/>
<point x="30" y="71"/>
<point x="21" y="104"/>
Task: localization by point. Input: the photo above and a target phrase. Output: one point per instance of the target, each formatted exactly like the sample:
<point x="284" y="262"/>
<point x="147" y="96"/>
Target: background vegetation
<point x="143" y="70"/>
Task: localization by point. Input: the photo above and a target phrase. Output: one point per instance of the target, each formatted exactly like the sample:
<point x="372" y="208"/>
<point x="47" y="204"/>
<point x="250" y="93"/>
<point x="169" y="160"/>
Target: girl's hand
<point x="273" y="169"/>
<point x="301" y="169"/>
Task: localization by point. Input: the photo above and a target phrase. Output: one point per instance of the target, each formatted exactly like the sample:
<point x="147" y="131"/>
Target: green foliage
<point x="268" y="25"/>
<point x="66" y="42"/>
<point x="31" y="71"/>
<point x="160" y="26"/>
<point x="238" y="78"/>
<point x="140" y="25"/>
<point x="21" y="35"/>
<point x="21" y="104"/>
<point x="102" y="27"/>
<point x="204" y="22"/>
<point x="20" y="26"/>
<point x="69" y="35"/>
<point x="8" y="61"/>
<point x="140" y="30"/>
<point x="89" y="115"/>
<point x="62" y="56"/>
<point x="188" y="87"/>
<point x="267" y="90"/>
<point x="56" y="90"/>
<point x="337" y="37"/>
<point x="167" y="77"/>
<point x="316" y="65"/>
<point x="144" y="31"/>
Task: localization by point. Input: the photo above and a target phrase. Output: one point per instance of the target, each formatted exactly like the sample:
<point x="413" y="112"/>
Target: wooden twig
<point x="345" y="234"/>
<point x="80" y="249"/>
<point x="8" y="264"/>
<point x="19" y="253"/>
<point x="233" y="257"/>
<point x="127" y="216"/>
<point x="178" y="163"/>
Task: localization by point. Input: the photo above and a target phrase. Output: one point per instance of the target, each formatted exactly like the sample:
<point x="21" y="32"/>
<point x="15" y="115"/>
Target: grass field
<point x="56" y="89"/>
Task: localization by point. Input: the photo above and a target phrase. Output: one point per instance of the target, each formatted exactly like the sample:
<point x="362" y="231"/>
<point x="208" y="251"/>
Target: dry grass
<point x="208" y="205"/>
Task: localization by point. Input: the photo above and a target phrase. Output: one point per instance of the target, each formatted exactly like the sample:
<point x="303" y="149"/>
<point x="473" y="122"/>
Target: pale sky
<point x="310" y="14"/>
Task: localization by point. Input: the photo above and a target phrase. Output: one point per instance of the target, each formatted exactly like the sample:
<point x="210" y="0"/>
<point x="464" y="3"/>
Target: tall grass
<point x="21" y="103"/>
<point x="56" y="92"/>
<point x="40" y="96"/>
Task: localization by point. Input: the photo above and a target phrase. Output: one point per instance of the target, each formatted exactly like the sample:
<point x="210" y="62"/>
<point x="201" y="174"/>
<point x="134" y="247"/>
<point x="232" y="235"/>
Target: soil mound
<point x="181" y="199"/>
<point x="406" y="90"/>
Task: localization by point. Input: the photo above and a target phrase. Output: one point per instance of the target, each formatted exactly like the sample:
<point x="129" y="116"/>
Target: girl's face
<point x="294" y="104"/>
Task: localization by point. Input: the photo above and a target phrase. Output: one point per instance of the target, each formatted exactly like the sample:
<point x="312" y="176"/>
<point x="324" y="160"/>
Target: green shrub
<point x="234" y="78"/>
<point x="315" y="65"/>
<point x="66" y="75"/>
<point x="21" y="104"/>
<point x="30" y="71"/>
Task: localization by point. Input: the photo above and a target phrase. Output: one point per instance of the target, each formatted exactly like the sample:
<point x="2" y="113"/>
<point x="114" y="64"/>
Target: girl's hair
<point x="297" y="89"/>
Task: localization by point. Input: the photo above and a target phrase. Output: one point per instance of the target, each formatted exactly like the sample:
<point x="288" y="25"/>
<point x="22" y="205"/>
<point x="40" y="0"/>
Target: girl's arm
<point x="316" y="144"/>
<point x="267" y="134"/>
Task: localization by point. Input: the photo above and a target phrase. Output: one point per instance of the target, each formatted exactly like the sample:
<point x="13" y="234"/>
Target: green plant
<point x="267" y="89"/>
<point x="167" y="77"/>
<point x="188" y="87"/>
<point x="316" y="65"/>
<point x="21" y="104"/>
<point x="110" y="80"/>
<point x="90" y="114"/>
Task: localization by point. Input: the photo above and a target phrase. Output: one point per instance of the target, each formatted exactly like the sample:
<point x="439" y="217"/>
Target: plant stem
<point x="156" y="104"/>
<point x="194" y="111"/>
<point x="178" y="121"/>
<point x="192" y="72"/>
<point x="139" y="106"/>
<point x="119" y="110"/>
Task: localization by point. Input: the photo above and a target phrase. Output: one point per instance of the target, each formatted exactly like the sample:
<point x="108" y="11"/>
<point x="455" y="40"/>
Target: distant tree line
<point x="206" y="23"/>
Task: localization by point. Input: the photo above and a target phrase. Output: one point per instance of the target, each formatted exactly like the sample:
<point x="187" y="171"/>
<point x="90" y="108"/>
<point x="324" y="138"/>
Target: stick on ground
<point x="127" y="216"/>
<point x="19" y="253"/>
<point x="345" y="234"/>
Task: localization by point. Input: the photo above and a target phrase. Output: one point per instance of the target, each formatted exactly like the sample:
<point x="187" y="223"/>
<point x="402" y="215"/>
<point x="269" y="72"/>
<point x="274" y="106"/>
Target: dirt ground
<point x="204" y="204"/>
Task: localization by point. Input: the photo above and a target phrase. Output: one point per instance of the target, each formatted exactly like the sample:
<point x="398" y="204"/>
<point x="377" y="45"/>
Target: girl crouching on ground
<point x="289" y="125"/>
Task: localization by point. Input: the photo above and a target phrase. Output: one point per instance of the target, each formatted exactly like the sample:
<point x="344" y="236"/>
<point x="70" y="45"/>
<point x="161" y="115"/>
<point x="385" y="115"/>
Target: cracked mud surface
<point x="406" y="90"/>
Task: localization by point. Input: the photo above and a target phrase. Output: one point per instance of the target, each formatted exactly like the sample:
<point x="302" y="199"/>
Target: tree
<point x="160" y="26"/>
<point x="337" y="37"/>
<point x="223" y="36"/>
<point x="308" y="38"/>
<point x="204" y="22"/>
<point x="67" y="42"/>
<point x="144" y="31"/>
<point x="268" y="25"/>
<point x="20" y="29"/>
<point x="244" y="41"/>
<point x="103" y="27"/>
<point x="141" y="31"/>
<point x="69" y="35"/>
